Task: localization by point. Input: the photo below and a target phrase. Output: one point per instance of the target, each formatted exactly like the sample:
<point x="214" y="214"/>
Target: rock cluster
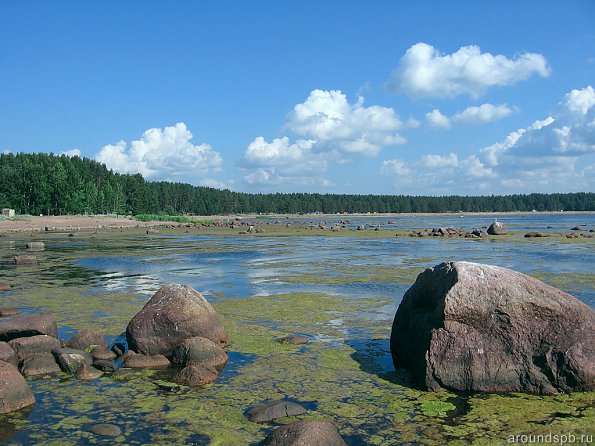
<point x="470" y="327"/>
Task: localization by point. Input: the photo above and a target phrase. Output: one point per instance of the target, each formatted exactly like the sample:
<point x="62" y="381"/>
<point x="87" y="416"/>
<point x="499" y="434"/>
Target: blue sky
<point x="384" y="97"/>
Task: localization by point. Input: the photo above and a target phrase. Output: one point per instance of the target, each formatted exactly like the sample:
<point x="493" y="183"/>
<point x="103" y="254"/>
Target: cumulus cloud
<point x="280" y="161"/>
<point x="327" y="117"/>
<point x="424" y="72"/>
<point x="554" y="154"/>
<point x="483" y="114"/>
<point x="329" y="129"/>
<point x="162" y="154"/>
<point x="436" y="119"/>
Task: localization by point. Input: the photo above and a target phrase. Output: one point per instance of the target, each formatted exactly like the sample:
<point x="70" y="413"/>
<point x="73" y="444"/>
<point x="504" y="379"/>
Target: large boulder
<point x="15" y="393"/>
<point x="27" y="325"/>
<point x="471" y="327"/>
<point x="174" y="313"/>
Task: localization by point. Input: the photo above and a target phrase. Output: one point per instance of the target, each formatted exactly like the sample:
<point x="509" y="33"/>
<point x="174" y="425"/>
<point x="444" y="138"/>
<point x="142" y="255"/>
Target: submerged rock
<point x="196" y="375"/>
<point x="173" y="314"/>
<point x="88" y="373"/>
<point x="470" y="327"/>
<point x="28" y="325"/>
<point x="5" y="312"/>
<point x="301" y="433"/>
<point x="15" y="393"/>
<point x="25" y="260"/>
<point x="101" y="352"/>
<point x="294" y="340"/>
<point x="272" y="410"/>
<point x="35" y="246"/>
<point x="106" y="430"/>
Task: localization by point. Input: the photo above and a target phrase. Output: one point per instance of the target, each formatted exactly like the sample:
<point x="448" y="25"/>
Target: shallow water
<point x="341" y="292"/>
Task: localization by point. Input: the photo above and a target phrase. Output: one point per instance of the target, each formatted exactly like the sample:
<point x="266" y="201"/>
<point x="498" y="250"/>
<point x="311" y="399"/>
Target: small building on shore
<point x="8" y="212"/>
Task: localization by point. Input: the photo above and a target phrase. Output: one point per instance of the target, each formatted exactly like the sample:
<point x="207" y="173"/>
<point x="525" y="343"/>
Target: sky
<point x="375" y="97"/>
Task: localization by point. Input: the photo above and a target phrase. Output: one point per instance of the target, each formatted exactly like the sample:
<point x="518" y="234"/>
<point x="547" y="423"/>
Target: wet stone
<point x="106" y="365"/>
<point x="106" y="430"/>
<point x="104" y="353"/>
<point x="33" y="345"/>
<point x="28" y="325"/>
<point x="7" y="354"/>
<point x="88" y="373"/>
<point x="85" y="339"/>
<point x="25" y="260"/>
<point x="146" y="361"/>
<point x="311" y="433"/>
<point x="196" y="375"/>
<point x="71" y="359"/>
<point x="294" y="340"/>
<point x="272" y="410"/>
<point x="43" y="364"/>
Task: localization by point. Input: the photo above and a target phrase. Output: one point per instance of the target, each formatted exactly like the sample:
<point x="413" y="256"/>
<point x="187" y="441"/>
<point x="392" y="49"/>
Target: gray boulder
<point x="272" y="410"/>
<point x="302" y="433"/>
<point x="470" y="327"/>
<point x="174" y="313"/>
<point x="15" y="393"/>
<point x="497" y="228"/>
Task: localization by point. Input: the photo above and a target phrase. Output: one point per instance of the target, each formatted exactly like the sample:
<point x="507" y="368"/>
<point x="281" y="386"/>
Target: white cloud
<point x="162" y="154"/>
<point x="327" y="117"/>
<point x="211" y="182"/>
<point x="436" y="119"/>
<point x="72" y="152"/>
<point x="483" y="114"/>
<point x="439" y="161"/>
<point x="280" y="161"/>
<point x="424" y="72"/>
<point x="555" y="154"/>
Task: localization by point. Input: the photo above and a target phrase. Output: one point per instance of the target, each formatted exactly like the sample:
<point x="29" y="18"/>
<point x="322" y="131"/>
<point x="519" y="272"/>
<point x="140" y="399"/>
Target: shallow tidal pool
<point x="339" y="291"/>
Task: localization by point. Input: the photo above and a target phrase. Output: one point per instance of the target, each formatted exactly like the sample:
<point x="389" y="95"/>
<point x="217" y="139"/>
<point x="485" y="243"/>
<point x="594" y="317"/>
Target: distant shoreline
<point x="81" y="222"/>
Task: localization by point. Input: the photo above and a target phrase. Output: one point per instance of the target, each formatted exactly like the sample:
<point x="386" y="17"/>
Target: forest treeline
<point x="57" y="185"/>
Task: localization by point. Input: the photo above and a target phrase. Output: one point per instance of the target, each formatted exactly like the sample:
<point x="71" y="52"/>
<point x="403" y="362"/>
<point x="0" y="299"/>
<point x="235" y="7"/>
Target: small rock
<point x="576" y="228"/>
<point x="101" y="352"/>
<point x="106" y="430"/>
<point x="33" y="345"/>
<point x="196" y="375"/>
<point x="301" y="433"/>
<point x="88" y="373"/>
<point x="272" y="410"/>
<point x="152" y="231"/>
<point x="4" y="312"/>
<point x="7" y="354"/>
<point x="534" y="234"/>
<point x="106" y="365"/>
<point x="15" y="393"/>
<point x="294" y="340"/>
<point x="35" y="246"/>
<point x="4" y="287"/>
<point x="71" y="359"/>
<point x="25" y="260"/>
<point x="43" y="364"/>
<point x="85" y="339"/>
<point x="146" y="361"/>
<point x="119" y="348"/>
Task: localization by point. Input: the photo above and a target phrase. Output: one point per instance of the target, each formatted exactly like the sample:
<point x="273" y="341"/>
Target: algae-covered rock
<point x="15" y="393"/>
<point x="70" y="359"/>
<point x="173" y="314"/>
<point x="196" y="375"/>
<point x="471" y="327"/>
